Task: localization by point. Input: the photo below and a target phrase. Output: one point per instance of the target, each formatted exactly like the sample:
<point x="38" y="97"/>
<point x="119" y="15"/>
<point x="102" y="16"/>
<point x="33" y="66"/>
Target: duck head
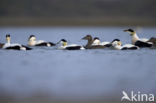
<point x="130" y="31"/>
<point x="63" y="42"/>
<point x="96" y="41"/>
<point x="116" y="42"/>
<point x="87" y="37"/>
<point x="8" y="38"/>
<point x="32" y="40"/>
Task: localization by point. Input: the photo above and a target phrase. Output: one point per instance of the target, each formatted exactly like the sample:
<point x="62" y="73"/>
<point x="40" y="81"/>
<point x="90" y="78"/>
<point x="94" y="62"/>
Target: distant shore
<point x="109" y="21"/>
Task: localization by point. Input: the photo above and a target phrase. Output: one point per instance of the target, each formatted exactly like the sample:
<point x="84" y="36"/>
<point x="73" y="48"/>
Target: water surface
<point x="76" y="74"/>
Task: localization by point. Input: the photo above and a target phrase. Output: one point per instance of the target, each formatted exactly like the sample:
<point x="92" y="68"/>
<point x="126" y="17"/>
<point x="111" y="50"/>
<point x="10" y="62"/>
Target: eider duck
<point x="33" y="42"/>
<point x="14" y="46"/>
<point x="97" y="41"/>
<point x="65" y="46"/>
<point x="117" y="45"/>
<point x="90" y="42"/>
<point x="141" y="42"/>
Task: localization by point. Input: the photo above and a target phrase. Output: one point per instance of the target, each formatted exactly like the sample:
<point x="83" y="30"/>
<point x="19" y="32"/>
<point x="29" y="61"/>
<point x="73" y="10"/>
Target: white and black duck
<point x="13" y="46"/>
<point x="90" y="44"/>
<point x="141" y="42"/>
<point x="117" y="45"/>
<point x="96" y="41"/>
<point x="65" y="46"/>
<point x="33" y="42"/>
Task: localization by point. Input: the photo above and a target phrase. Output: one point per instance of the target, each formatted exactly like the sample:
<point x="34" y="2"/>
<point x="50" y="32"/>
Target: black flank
<point x="74" y="48"/>
<point x="13" y="48"/>
<point x="143" y="44"/>
<point x="27" y="48"/>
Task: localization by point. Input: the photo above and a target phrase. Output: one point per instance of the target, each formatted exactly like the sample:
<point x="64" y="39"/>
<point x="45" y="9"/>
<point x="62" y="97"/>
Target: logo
<point x="138" y="96"/>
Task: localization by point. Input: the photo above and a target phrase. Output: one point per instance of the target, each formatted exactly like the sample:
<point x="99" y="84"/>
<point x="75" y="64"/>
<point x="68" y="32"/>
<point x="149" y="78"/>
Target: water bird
<point x="33" y="42"/>
<point x="14" y="46"/>
<point x="90" y="45"/>
<point x="117" y="45"/>
<point x="65" y="46"/>
<point x="96" y="41"/>
<point x="141" y="42"/>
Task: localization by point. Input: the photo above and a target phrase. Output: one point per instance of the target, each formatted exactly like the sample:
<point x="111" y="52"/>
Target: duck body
<point x="97" y="41"/>
<point x="48" y="44"/>
<point x="14" y="46"/>
<point x="142" y="43"/>
<point x="117" y="45"/>
<point x="33" y="42"/>
<point x="129" y="47"/>
<point x="91" y="45"/>
<point x="65" y="46"/>
<point x="71" y="47"/>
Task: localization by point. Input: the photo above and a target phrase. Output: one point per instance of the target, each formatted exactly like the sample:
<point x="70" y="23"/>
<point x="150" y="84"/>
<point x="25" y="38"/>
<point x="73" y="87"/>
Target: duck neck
<point x="134" y="38"/>
<point x="90" y="41"/>
<point x="8" y="40"/>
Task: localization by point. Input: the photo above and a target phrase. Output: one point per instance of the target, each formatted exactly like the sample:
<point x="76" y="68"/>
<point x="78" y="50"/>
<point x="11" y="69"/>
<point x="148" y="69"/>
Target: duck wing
<point x="27" y="48"/>
<point x="143" y="44"/>
<point x="52" y="44"/>
<point x="45" y="44"/>
<point x="95" y="47"/>
<point x="17" y="47"/>
<point x="130" y="48"/>
<point x="108" y="45"/>
<point x="73" y="48"/>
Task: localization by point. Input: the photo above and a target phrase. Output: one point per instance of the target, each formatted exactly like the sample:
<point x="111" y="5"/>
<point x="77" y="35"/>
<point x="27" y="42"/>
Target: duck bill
<point x="84" y="38"/>
<point x="58" y="42"/>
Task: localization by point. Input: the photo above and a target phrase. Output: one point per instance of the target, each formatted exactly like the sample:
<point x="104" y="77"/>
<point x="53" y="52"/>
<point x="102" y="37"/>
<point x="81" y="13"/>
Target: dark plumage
<point x="13" y="48"/>
<point x="130" y="48"/>
<point x="45" y="44"/>
<point x="143" y="44"/>
<point x="130" y="30"/>
<point x="90" y="41"/>
<point x="27" y="48"/>
<point x="73" y="48"/>
<point x="18" y="47"/>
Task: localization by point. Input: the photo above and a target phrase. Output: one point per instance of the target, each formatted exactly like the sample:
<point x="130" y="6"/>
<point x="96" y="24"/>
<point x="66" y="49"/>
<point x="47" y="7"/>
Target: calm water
<point x="82" y="73"/>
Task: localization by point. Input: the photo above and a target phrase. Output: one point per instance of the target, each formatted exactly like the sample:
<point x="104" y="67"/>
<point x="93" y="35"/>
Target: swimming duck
<point x="97" y="41"/>
<point x="90" y="42"/>
<point x="33" y="42"/>
<point x="14" y="46"/>
<point x="141" y="42"/>
<point x="65" y="46"/>
<point x="117" y="45"/>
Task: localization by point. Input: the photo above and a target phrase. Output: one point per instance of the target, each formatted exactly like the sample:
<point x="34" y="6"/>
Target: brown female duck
<point x="90" y="42"/>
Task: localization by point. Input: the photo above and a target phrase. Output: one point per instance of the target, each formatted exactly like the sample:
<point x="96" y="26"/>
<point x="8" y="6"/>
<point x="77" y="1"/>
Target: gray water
<point x="76" y="74"/>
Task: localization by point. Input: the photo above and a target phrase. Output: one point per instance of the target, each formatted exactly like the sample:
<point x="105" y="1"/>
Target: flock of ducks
<point x="95" y="43"/>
